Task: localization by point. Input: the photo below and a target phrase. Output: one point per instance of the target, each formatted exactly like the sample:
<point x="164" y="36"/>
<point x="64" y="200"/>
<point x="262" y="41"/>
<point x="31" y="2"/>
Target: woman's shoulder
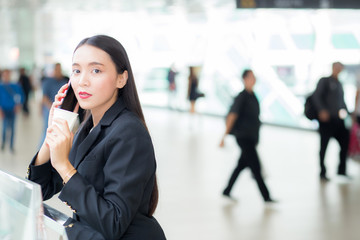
<point x="130" y="124"/>
<point x="129" y="128"/>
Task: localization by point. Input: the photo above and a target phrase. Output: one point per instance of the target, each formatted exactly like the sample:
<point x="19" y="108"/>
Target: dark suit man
<point x="243" y="122"/>
<point x="329" y="100"/>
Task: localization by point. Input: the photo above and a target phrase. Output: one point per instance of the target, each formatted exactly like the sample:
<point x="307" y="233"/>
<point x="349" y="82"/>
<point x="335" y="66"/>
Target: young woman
<point x="106" y="172"/>
<point x="193" y="92"/>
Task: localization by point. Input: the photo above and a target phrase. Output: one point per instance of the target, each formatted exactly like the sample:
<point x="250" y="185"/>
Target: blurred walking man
<point x="329" y="101"/>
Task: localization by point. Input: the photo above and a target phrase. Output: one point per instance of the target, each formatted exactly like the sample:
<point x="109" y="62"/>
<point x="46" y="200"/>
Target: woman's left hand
<point x="59" y="140"/>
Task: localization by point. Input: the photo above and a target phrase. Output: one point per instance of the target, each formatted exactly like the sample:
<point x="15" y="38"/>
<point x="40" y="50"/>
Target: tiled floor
<point x="193" y="170"/>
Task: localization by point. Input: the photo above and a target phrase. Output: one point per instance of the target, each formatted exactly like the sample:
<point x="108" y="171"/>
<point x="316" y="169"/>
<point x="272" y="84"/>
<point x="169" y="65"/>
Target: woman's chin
<point x="84" y="106"/>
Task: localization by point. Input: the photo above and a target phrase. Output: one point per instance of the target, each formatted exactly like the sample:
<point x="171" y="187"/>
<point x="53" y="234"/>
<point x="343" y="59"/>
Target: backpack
<point x="309" y="108"/>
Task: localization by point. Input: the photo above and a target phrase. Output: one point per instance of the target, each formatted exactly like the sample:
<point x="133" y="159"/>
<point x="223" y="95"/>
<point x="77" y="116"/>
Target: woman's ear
<point x="122" y="79"/>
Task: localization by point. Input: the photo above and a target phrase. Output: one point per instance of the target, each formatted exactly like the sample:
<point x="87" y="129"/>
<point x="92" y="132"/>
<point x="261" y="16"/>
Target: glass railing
<point x="22" y="212"/>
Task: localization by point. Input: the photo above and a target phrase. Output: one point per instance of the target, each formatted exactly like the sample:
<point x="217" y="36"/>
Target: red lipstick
<point x="84" y="95"/>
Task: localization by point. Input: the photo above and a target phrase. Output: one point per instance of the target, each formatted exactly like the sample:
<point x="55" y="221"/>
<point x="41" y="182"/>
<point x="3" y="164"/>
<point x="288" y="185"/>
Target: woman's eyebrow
<point x="90" y="64"/>
<point x="95" y="63"/>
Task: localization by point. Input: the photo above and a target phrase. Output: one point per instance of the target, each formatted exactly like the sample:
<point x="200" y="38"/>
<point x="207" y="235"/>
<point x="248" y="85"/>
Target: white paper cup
<point x="70" y="117"/>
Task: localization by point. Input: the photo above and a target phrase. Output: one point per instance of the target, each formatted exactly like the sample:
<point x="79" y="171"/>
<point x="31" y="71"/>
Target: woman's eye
<point x="96" y="71"/>
<point x="75" y="71"/>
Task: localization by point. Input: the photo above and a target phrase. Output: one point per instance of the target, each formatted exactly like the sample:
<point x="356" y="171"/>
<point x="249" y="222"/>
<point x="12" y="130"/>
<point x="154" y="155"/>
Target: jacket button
<point x="70" y="225"/>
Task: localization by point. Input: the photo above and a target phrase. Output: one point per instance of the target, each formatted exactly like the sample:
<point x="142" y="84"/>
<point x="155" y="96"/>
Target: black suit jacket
<point x="111" y="190"/>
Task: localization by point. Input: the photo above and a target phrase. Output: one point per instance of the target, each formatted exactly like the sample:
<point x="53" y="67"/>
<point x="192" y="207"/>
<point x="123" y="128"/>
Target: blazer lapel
<point x="85" y="139"/>
<point x="86" y="145"/>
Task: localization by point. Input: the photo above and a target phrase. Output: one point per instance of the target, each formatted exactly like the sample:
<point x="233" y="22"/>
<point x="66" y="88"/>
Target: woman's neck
<point x="96" y="117"/>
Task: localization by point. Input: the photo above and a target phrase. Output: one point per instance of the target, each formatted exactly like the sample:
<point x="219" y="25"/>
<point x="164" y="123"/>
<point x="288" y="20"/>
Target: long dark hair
<point x="128" y="93"/>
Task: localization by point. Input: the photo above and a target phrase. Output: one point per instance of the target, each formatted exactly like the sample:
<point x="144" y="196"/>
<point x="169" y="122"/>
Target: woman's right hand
<point x="44" y="152"/>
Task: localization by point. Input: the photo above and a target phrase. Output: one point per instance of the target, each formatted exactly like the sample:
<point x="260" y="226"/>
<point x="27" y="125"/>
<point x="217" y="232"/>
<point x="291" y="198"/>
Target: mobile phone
<point x="70" y="101"/>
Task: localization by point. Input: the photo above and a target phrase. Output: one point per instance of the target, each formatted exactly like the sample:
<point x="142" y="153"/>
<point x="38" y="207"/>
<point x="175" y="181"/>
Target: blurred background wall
<point x="288" y="49"/>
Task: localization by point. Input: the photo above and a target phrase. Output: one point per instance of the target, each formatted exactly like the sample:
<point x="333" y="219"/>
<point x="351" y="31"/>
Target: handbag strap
<point x="9" y="89"/>
<point x="15" y="96"/>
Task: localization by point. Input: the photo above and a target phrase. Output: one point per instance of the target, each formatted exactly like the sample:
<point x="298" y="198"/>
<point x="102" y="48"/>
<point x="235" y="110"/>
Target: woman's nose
<point x="83" y="80"/>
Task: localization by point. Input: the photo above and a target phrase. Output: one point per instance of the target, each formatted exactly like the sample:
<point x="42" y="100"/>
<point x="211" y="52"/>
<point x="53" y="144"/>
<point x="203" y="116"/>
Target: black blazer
<point x="111" y="190"/>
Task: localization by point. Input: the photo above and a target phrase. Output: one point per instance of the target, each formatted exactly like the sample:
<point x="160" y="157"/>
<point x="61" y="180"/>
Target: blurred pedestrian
<point x="354" y="138"/>
<point x="243" y="122"/>
<point x="329" y="101"/>
<point x="193" y="91"/>
<point x="11" y="98"/>
<point x="356" y="114"/>
<point x="50" y="87"/>
<point x="171" y="77"/>
<point x="25" y="83"/>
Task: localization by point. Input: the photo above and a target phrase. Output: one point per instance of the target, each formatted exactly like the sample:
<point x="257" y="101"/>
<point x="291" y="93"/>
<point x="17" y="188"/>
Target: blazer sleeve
<point x="47" y="177"/>
<point x="130" y="163"/>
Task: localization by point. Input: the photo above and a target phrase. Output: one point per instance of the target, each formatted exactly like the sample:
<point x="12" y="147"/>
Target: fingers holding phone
<point x="57" y="101"/>
<point x="59" y="97"/>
